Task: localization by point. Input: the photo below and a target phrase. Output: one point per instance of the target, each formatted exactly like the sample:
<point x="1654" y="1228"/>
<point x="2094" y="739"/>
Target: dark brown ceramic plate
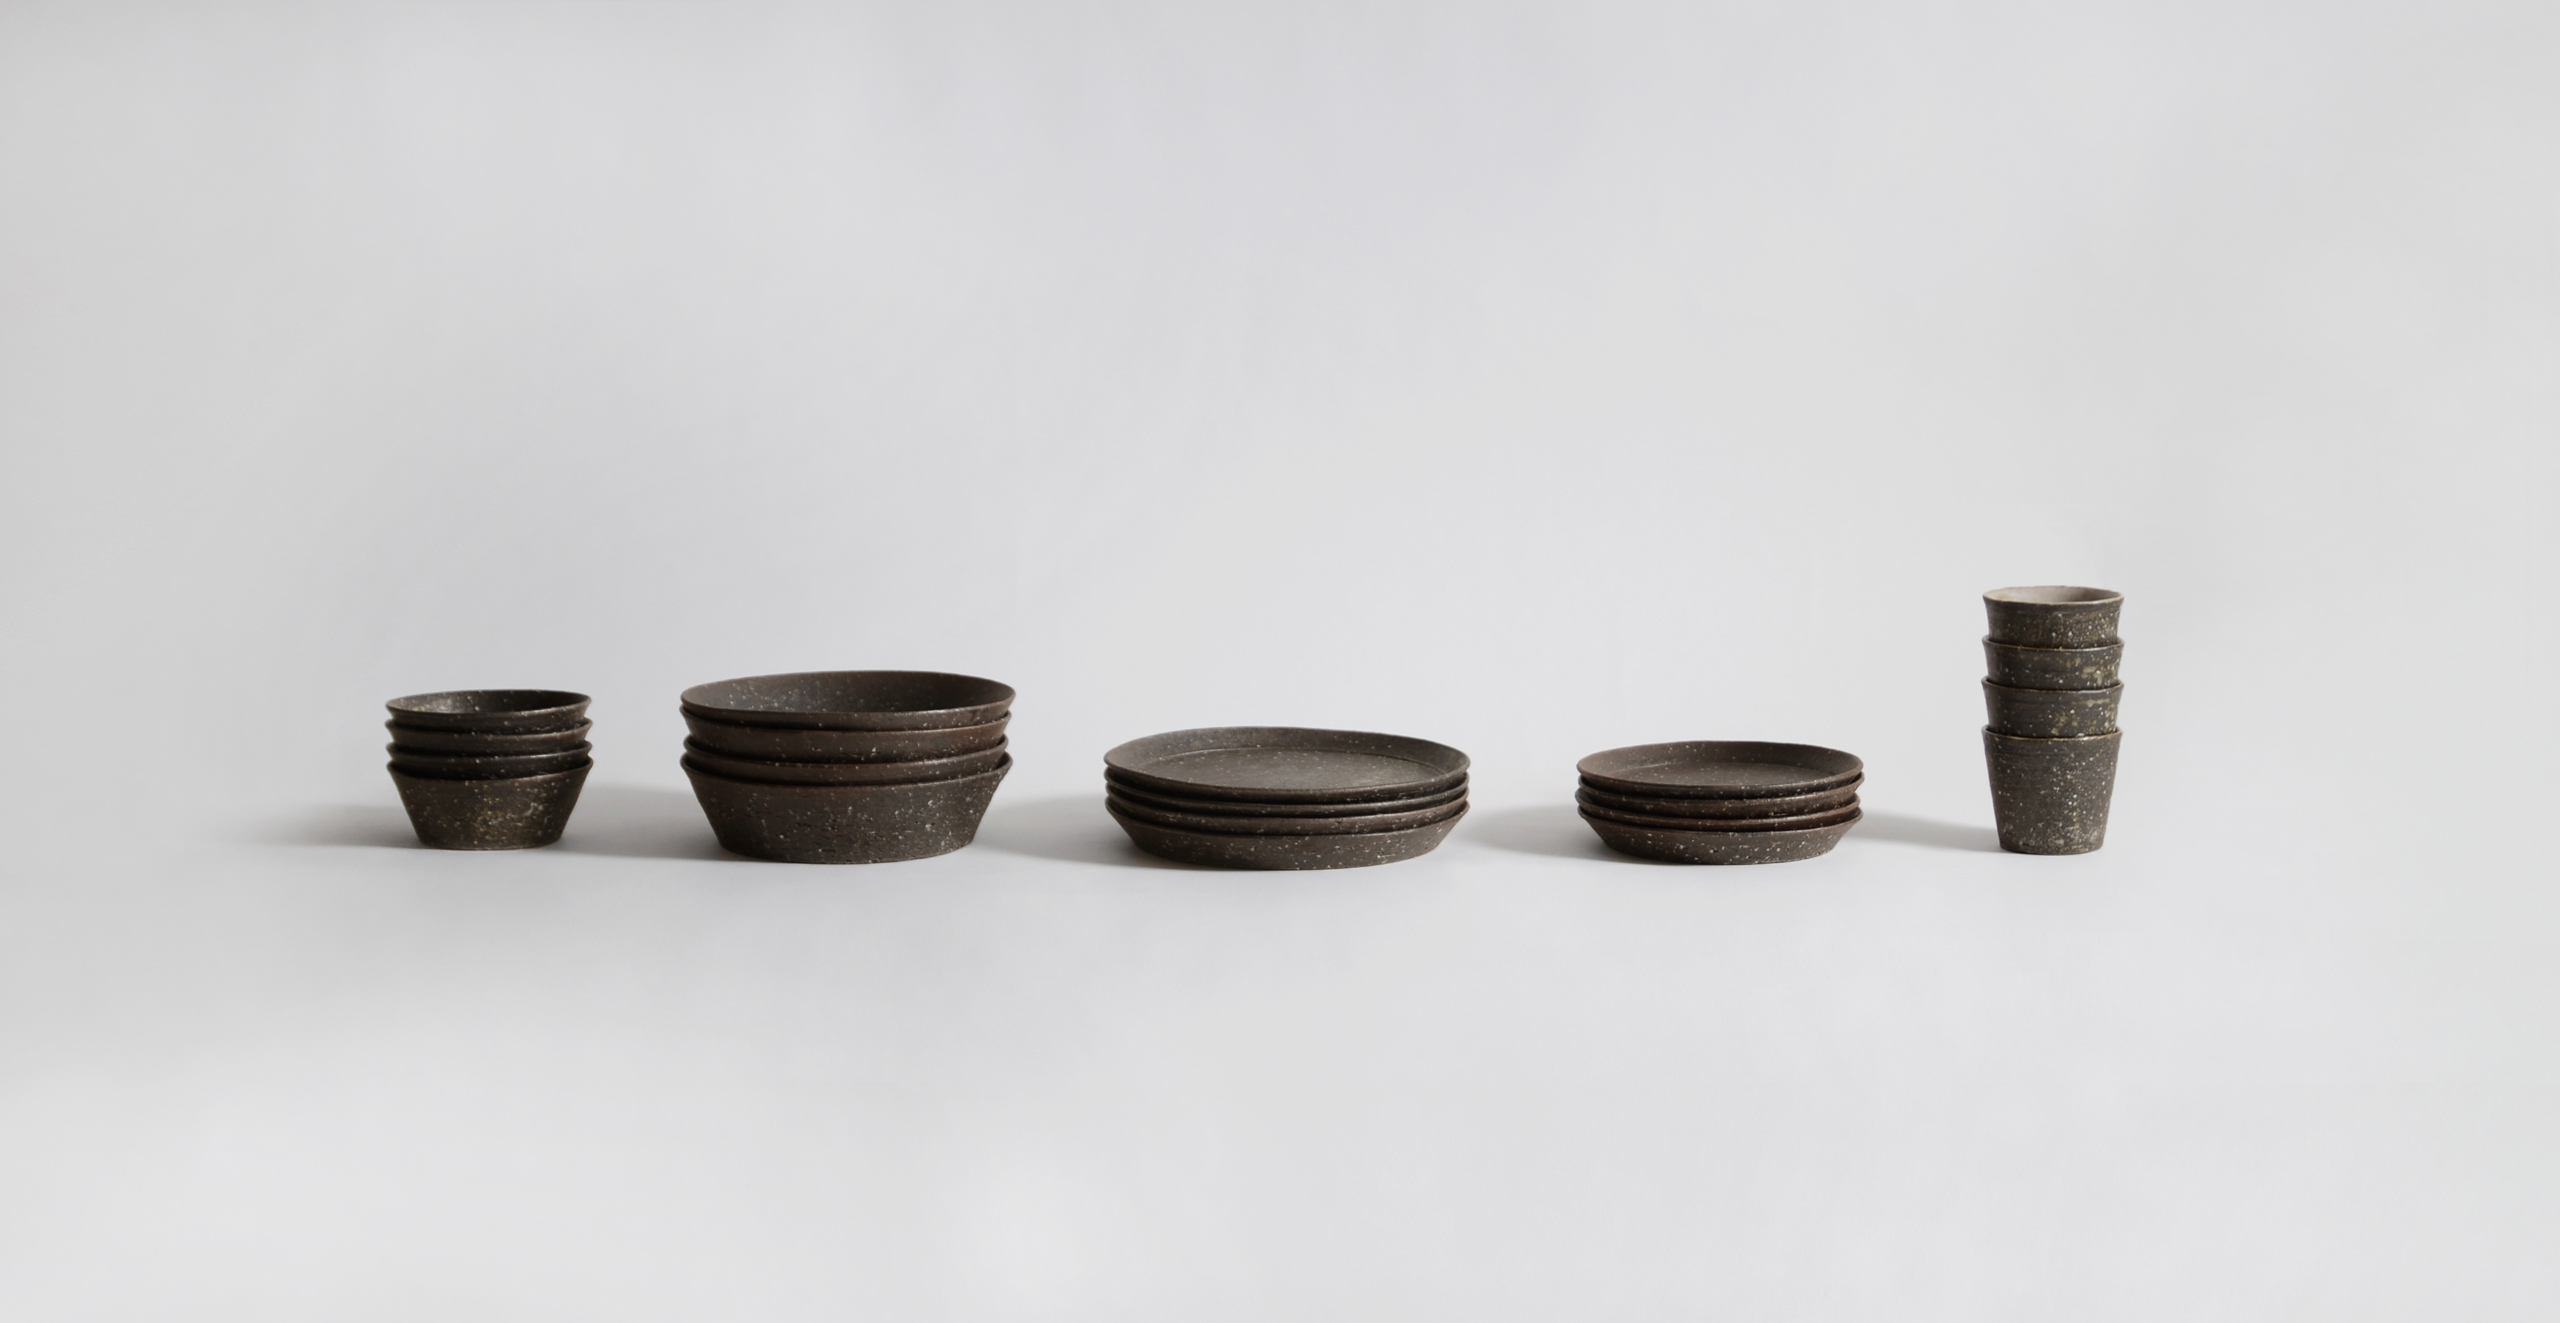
<point x="492" y="711"/>
<point x="852" y="700"/>
<point x="1217" y="850"/>
<point x="1791" y="822"/>
<point x="844" y="824"/>
<point x="450" y="766"/>
<point x="2053" y="615"/>
<point x="1286" y="765"/>
<point x="1227" y="824"/>
<point x="779" y="743"/>
<point x="1720" y="769"/>
<point x="1719" y="847"/>
<point x="515" y="813"/>
<point x="423" y="739"/>
<point x="843" y="774"/>
<point x="1248" y="808"/>
<point x="1691" y="806"/>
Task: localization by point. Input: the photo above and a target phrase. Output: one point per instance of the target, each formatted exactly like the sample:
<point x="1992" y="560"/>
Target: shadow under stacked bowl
<point x="2051" y="695"/>
<point x="1285" y="797"/>
<point x="489" y="769"/>
<point x="1721" y="801"/>
<point x="846" y="767"/>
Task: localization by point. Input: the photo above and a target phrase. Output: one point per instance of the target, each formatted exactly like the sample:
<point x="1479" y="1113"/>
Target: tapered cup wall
<point x="2053" y="616"/>
<point x="2051" y="714"/>
<point x="2051" y="796"/>
<point x="2052" y="668"/>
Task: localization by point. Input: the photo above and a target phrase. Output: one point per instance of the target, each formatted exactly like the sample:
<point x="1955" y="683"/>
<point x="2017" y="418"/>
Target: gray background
<point x="1532" y="379"/>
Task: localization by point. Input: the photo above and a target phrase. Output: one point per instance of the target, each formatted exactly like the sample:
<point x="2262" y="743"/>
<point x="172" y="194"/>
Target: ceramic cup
<point x="2052" y="668"/>
<point x="2049" y="714"/>
<point x="2051" y="796"/>
<point x="2053" y="616"/>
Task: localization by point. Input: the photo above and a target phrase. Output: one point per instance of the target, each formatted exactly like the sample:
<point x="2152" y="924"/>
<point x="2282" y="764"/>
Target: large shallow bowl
<point x="2051" y="714"/>
<point x="1218" y="850"/>
<point x="1719" y="847"/>
<point x="784" y="744"/>
<point x="2053" y="668"/>
<point x="844" y="824"/>
<point x="1791" y="822"/>
<point x="1286" y="765"/>
<point x="1236" y="824"/>
<point x="466" y="767"/>
<point x="1250" y="808"/>
<point x="1720" y="769"/>
<point x="492" y="711"/>
<point x="843" y="774"/>
<point x="2053" y="615"/>
<point x="426" y="739"/>
<point x="517" y="813"/>
<point x="1692" y="806"/>
<point x="852" y="700"/>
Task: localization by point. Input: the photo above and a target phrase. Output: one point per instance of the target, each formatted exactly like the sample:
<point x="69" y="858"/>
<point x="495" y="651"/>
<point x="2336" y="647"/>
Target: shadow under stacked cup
<point x="2051" y="695"/>
<point x="846" y="767"/>
<point x="489" y="769"/>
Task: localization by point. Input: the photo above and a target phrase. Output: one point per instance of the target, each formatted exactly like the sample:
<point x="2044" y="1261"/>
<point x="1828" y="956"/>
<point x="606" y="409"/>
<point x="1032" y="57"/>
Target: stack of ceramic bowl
<point x="846" y="767"/>
<point x="489" y="769"/>
<point x="1721" y="801"/>
<point x="1285" y="797"/>
<point x="2052" y="695"/>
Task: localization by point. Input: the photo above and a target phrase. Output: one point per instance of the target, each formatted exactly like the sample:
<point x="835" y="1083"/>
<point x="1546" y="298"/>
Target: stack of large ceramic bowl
<point x="846" y="767"/>
<point x="1721" y="801"/>
<point x="2052" y="696"/>
<point x="489" y="769"/>
<point x="1285" y="796"/>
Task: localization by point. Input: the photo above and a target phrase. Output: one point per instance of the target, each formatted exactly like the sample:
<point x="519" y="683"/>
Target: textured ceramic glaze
<point x="1692" y="806"/>
<point x="2051" y="796"/>
<point x="844" y="824"/>
<point x="516" y="813"/>
<point x="844" y="774"/>
<point x="1791" y="822"/>
<point x="781" y="744"/>
<point x="1720" y="769"/>
<point x="455" y="766"/>
<point x="2053" y="616"/>
<point x="1719" y="847"/>
<point x="852" y="700"/>
<point x="2049" y="714"/>
<point x="1237" y="824"/>
<point x="1249" y="808"/>
<point x="1286" y="765"/>
<point x="1215" y="850"/>
<point x="2052" y="668"/>
<point x="492" y="711"/>
<point x="416" y="739"/>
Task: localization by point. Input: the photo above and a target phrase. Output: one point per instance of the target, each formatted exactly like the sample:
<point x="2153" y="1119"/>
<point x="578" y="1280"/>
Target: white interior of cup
<point x="2052" y="595"/>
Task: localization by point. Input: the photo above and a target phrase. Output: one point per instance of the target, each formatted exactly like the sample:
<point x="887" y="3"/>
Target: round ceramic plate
<point x="1287" y="765"/>
<point x="1692" y="806"/>
<point x="1792" y="822"/>
<point x="1214" y="850"/>
<point x="1247" y="808"/>
<point x="1720" y="769"/>
<point x="782" y="744"/>
<point x="1236" y="824"/>
<point x="842" y="774"/>
<point x="419" y="739"/>
<point x="852" y="700"/>
<point x="1719" y="847"/>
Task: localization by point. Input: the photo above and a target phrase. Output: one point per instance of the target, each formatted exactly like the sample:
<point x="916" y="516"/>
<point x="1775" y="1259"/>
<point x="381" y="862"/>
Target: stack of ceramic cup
<point x="2052" y="694"/>
<point x="1721" y="801"/>
<point x="846" y="767"/>
<point x="489" y="769"/>
<point x="1284" y="797"/>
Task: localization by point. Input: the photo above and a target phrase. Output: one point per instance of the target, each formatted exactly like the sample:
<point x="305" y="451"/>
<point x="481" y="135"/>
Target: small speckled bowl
<point x="415" y="739"/>
<point x="1792" y="822"/>
<point x="2051" y="796"/>
<point x="1221" y="850"/>
<point x="492" y="711"/>
<point x="2053" y="668"/>
<point x="465" y="767"/>
<point x="1719" y="847"/>
<point x="844" y="824"/>
<point x="1683" y="806"/>
<point x="843" y="774"/>
<point x="2053" y="616"/>
<point x="1247" y="825"/>
<point x="515" y="813"/>
<point x="781" y="744"/>
<point x="852" y="700"/>
<point x="2051" y="714"/>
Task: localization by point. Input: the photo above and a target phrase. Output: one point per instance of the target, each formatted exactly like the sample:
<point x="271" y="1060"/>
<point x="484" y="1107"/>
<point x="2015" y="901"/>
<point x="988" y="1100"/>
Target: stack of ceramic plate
<point x="1285" y="797"/>
<point x="489" y="769"/>
<point x="846" y="767"/>
<point x="1721" y="801"/>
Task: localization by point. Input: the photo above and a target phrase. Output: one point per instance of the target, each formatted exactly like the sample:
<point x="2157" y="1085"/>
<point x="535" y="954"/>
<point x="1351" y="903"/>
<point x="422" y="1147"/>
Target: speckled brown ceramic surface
<point x="2049" y="714"/>
<point x="844" y="774"/>
<point x="1286" y="764"/>
<point x="492" y="711"/>
<point x="1252" y="808"/>
<point x="1692" y="806"/>
<point x="2053" y="616"/>
<point x="517" y="813"/>
<point x="782" y="744"/>
<point x="2051" y="796"/>
<point x="2052" y="668"/>
<point x="844" y="824"/>
<point x="1227" y="824"/>
<point x="852" y="700"/>
<point x="1720" y="769"/>
<point x="1791" y="822"/>
<point x="415" y="739"/>
<point x="1719" y="847"/>
<point x="1214" y="850"/>
<point x="454" y="766"/>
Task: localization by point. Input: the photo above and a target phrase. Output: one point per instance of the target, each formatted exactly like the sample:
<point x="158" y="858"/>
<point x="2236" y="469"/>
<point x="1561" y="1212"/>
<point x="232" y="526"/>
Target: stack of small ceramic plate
<point x="1721" y="801"/>
<point x="1284" y="796"/>
<point x="489" y="769"/>
<point x="846" y="767"/>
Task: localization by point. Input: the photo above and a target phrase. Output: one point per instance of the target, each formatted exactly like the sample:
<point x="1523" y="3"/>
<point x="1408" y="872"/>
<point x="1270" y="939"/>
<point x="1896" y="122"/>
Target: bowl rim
<point x="704" y="700"/>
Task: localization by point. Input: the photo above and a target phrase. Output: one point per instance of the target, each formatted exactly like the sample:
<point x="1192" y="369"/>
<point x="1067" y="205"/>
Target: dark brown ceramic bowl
<point x="492" y="711"/>
<point x="466" y="767"/>
<point x="1690" y="806"/>
<point x="419" y="739"/>
<point x="2053" y="616"/>
<point x="843" y="774"/>
<point x="1719" y="847"/>
<point x="783" y="744"/>
<point x="1217" y="850"/>
<point x="1720" y="769"/>
<point x="852" y="700"/>
<point x="516" y="813"/>
<point x="1286" y="765"/>
<point x="1248" y="808"/>
<point x="1791" y="822"/>
<point x="2051" y="714"/>
<point x="844" y="824"/>
<point x="2051" y="796"/>
<point x="2053" y="668"/>
<point x="1230" y="824"/>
